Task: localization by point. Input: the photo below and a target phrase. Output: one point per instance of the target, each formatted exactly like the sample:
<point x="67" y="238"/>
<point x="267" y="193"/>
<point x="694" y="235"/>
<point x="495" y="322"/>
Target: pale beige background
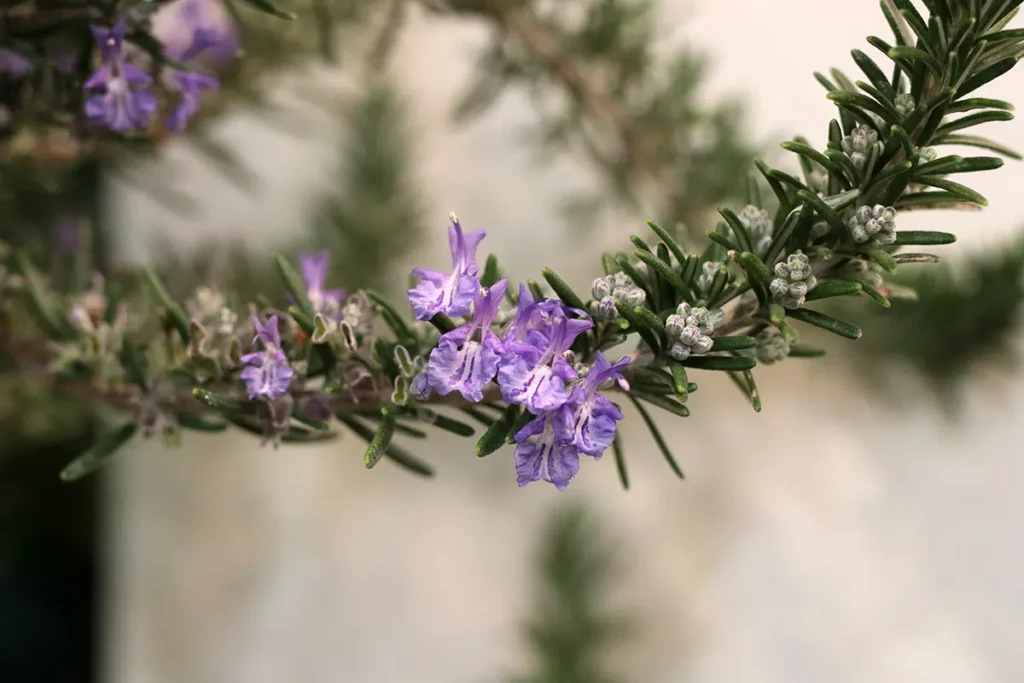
<point x="832" y="538"/>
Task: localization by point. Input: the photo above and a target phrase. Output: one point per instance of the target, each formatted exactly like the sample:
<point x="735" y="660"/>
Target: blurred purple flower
<point x="65" y="61"/>
<point x="314" y="272"/>
<point x="67" y="235"/>
<point x="202" y="15"/>
<point x="177" y="24"/>
<point x="120" y="99"/>
<point x="451" y="294"/>
<point x="318" y="408"/>
<point x="267" y="374"/>
<point x="13" y="64"/>
<point x="188" y="84"/>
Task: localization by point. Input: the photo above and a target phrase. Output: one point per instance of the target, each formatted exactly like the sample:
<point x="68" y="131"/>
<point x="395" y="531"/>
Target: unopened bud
<point x="601" y="288"/>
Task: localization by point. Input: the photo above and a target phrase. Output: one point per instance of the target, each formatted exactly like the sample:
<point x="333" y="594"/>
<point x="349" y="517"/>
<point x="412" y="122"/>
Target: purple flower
<point x="111" y="42"/>
<point x="267" y="374"/>
<point x="544" y="453"/>
<point x="208" y="17"/>
<point x="13" y="64"/>
<point x="466" y="359"/>
<point x="318" y="407"/>
<point x="314" y="272"/>
<point x="589" y="416"/>
<point x="189" y="84"/>
<point x="533" y="322"/>
<point x="533" y="371"/>
<point x="119" y="99"/>
<point x="451" y="294"/>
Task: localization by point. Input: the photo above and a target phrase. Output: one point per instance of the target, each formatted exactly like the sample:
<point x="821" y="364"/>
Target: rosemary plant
<point x="534" y="366"/>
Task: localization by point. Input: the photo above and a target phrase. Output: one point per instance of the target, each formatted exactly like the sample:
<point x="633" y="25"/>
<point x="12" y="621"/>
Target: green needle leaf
<point x="564" y="291"/>
<point x="719" y="363"/>
<point x="174" y="312"/>
<point x="658" y="438"/>
<point x="833" y="288"/>
<point x="669" y="241"/>
<point x="443" y="323"/>
<point x="798" y="351"/>
<point x="99" y="453"/>
<point x="956" y="189"/>
<point x="620" y="462"/>
<point x="381" y="439"/>
<point x="877" y="297"/>
<point x="525" y="418"/>
<point x="133" y="364"/>
<point x="223" y="402"/>
<point x="825" y="322"/>
<point x="882" y="258"/>
<point x="43" y="303"/>
<point x="664" y="402"/>
<point x="270" y="8"/>
<point x="979" y="142"/>
<point x="491" y="272"/>
<point x="478" y="415"/>
<point x="923" y="238"/>
<point x="745" y="382"/>
<point x="199" y="424"/>
<point x="680" y="382"/>
<point x="665" y="271"/>
<point x="447" y="424"/>
<point x="756" y="267"/>
<point x="639" y="326"/>
<point x="393" y="452"/>
<point x="494" y="437"/>
<point x="733" y="343"/>
<point x="295" y="285"/>
<point x="392" y="318"/>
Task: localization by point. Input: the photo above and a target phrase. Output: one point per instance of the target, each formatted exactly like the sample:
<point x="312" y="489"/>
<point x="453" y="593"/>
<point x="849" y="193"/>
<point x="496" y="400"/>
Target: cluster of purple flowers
<point x="120" y="96"/>
<point x="529" y="362"/>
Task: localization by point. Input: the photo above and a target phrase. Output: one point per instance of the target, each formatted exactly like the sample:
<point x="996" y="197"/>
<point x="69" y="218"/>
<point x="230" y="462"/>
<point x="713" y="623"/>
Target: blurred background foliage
<point x="604" y="91"/>
<point x="966" y="315"/>
<point x="571" y="632"/>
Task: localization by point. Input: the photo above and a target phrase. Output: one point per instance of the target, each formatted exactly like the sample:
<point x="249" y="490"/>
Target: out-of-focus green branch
<point x="570" y="631"/>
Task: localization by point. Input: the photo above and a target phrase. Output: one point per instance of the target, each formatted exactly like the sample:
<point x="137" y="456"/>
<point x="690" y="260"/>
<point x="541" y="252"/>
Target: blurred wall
<point x="833" y="537"/>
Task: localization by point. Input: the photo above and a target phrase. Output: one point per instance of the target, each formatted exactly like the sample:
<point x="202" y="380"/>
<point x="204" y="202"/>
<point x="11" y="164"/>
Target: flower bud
<point x="873" y="225"/>
<point x="636" y="297"/>
<point x="674" y="326"/>
<point x="794" y="278"/>
<point x="904" y="104"/>
<point x="600" y="288"/>
<point x="679" y="351"/>
<point x="606" y="309"/>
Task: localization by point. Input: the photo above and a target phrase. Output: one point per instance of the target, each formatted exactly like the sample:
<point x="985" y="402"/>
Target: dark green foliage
<point x="965" y="313"/>
<point x="371" y="215"/>
<point x="570" y="633"/>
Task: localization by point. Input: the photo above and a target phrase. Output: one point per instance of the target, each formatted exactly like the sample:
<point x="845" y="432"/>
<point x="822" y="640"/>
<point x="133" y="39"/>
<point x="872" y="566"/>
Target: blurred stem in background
<point x="571" y="632"/>
<point x="602" y="91"/>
